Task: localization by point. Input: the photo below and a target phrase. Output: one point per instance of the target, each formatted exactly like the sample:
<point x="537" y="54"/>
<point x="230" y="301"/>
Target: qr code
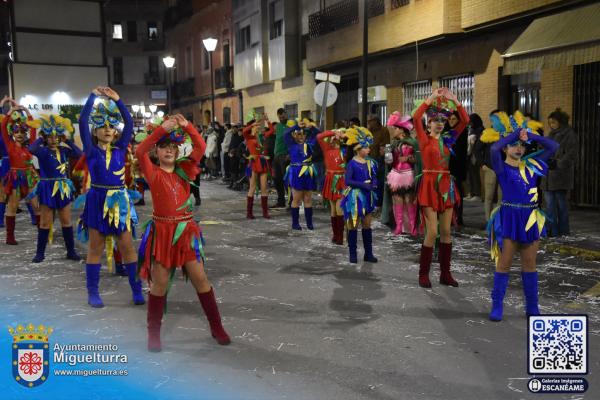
<point x="557" y="344"/>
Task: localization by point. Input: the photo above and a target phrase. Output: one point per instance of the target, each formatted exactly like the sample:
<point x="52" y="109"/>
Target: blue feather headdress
<point x="105" y="114"/>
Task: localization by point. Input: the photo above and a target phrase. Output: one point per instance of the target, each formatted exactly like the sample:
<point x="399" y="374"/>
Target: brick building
<point x="187" y="24"/>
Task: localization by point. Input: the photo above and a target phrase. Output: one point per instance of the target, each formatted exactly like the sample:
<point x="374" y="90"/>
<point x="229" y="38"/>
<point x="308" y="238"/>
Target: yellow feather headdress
<point x="52" y="125"/>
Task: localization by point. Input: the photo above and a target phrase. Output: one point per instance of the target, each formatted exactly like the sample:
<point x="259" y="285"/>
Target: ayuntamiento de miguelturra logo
<point x="30" y="354"/>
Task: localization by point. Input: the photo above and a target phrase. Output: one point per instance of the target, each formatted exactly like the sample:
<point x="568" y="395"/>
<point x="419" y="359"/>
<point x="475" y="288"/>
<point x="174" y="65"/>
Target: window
<point x="415" y="91"/>
<point x="259" y="111"/>
<point x="462" y="86"/>
<point x="226" y="115"/>
<point x="118" y="70"/>
<point x="275" y="19"/>
<point x="226" y="55"/>
<point x="117" y="31"/>
<point x="188" y="62"/>
<point x="152" y="31"/>
<point x="205" y="59"/>
<point x="131" y="31"/>
<point x="291" y="110"/>
<point x="242" y="37"/>
<point x="153" y="65"/>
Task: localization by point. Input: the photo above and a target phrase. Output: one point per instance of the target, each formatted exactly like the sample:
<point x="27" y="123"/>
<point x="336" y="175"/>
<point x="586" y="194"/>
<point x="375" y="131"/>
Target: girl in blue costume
<point x="360" y="197"/>
<point x="301" y="174"/>
<point x="108" y="211"/>
<point x="518" y="223"/>
<point x="54" y="190"/>
<point x="4" y="167"/>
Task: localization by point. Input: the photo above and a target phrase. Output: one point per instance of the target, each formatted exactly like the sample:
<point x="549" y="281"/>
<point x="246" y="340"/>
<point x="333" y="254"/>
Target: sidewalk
<point x="584" y="241"/>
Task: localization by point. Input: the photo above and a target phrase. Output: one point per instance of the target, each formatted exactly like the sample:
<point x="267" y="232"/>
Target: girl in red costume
<point x="22" y="176"/>
<point x="258" y="162"/>
<point x="172" y="238"/>
<point x="437" y="193"/>
<point x="333" y="186"/>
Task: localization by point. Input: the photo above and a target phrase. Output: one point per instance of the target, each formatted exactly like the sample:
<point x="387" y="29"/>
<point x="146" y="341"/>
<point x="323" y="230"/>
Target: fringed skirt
<point x="437" y="189"/>
<point x="357" y="203"/>
<point x="522" y="223"/>
<point x="21" y="180"/>
<point x="301" y="176"/>
<point x="54" y="193"/>
<point x="401" y="182"/>
<point x="259" y="164"/>
<point x="171" y="242"/>
<point x="333" y="186"/>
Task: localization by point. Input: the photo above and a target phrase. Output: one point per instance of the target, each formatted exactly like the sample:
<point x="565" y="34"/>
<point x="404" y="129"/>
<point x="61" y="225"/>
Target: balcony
<point x="153" y="45"/>
<point x="184" y="89"/>
<point x="340" y="15"/>
<point x="177" y="14"/>
<point x="223" y="77"/>
<point x="153" y="79"/>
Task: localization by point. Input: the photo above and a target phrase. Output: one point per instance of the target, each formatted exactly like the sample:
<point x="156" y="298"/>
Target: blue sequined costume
<point x="301" y="173"/>
<point x="4" y="160"/>
<point x="54" y="189"/>
<point x="359" y="198"/>
<point x="518" y="217"/>
<point x="108" y="205"/>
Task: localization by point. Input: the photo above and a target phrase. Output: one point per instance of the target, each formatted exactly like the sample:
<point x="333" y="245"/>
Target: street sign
<point x="319" y="94"/>
<point x="324" y="76"/>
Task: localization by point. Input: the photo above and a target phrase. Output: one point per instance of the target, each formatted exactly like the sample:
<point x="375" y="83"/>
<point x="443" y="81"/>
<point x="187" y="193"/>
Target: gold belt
<point x="187" y="217"/>
<point x="435" y="171"/>
<point x="95" y="185"/>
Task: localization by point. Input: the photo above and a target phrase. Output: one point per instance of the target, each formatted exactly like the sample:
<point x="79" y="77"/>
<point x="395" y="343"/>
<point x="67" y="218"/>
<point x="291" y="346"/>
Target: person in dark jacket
<point x="474" y="167"/>
<point x="561" y="174"/>
<point x="458" y="163"/>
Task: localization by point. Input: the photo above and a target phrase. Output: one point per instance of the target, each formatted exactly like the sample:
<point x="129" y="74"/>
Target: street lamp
<point x="152" y="108"/>
<point x="210" y="45"/>
<point x="135" y="108"/>
<point x="169" y="64"/>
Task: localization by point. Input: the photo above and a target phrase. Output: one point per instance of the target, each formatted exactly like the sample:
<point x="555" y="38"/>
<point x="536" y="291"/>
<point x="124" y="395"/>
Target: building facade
<point x="135" y="46"/>
<point x="187" y="24"/>
<point x="415" y="46"/>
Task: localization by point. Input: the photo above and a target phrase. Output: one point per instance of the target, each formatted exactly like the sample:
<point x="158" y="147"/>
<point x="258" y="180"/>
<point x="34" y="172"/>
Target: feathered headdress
<point x="52" y="125"/>
<point x="105" y="114"/>
<point x="358" y="137"/>
<point x="503" y="125"/>
<point x="299" y="125"/>
<point x="440" y="107"/>
<point x="400" y="121"/>
<point x="17" y="122"/>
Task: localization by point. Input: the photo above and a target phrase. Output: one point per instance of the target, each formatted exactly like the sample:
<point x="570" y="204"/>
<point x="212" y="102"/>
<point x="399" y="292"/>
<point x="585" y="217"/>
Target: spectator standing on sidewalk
<point x="281" y="159"/>
<point x="561" y="174"/>
<point x="212" y="152"/>
<point x="474" y="166"/>
<point x="381" y="137"/>
<point x="490" y="183"/>
<point x="224" y="150"/>
<point x="234" y="154"/>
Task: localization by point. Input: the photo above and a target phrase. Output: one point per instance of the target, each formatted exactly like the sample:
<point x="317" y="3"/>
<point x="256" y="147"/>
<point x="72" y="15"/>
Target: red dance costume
<point x="259" y="158"/>
<point x="170" y="193"/>
<point x="334" y="184"/>
<point x="436" y="188"/>
<point x="22" y="175"/>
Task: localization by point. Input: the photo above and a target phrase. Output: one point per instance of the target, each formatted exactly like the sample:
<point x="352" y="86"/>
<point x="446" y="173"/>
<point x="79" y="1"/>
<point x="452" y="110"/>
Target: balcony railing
<point x="153" y="79"/>
<point x="184" y="89"/>
<point x="153" y="45"/>
<point x="399" y="3"/>
<point x="340" y="15"/>
<point x="223" y="77"/>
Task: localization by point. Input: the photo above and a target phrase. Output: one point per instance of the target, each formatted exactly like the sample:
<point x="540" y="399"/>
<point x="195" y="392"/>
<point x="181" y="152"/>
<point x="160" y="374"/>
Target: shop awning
<point x="568" y="38"/>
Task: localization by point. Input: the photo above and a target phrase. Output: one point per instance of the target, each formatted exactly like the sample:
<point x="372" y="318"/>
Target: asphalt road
<point x="305" y="323"/>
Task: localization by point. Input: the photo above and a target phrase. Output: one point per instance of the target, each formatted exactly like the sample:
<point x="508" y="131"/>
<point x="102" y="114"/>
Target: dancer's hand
<point x="169" y="124"/>
<point x="97" y="91"/>
<point x="523" y="135"/>
<point x="110" y="93"/>
<point x="181" y="121"/>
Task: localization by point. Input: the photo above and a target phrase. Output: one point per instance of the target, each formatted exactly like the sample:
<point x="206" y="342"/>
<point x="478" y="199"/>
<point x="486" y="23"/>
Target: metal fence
<point x="462" y="86"/>
<point x="413" y="91"/>
<point x="586" y="122"/>
<point x="399" y="3"/>
<point x="340" y="15"/>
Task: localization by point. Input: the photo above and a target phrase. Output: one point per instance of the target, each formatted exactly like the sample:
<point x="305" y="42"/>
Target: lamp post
<point x="210" y="45"/>
<point x="169" y="64"/>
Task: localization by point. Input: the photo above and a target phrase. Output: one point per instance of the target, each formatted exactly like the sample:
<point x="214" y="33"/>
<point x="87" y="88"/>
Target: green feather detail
<point x="178" y="231"/>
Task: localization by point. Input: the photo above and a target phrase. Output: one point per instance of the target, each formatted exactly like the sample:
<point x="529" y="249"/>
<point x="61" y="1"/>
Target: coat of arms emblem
<point x="30" y="354"/>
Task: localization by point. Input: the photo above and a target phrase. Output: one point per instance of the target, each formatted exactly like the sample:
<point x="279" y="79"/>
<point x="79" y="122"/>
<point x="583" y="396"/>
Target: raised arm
<point x="288" y="139"/>
<point x="270" y="129"/>
<point x="74" y="151"/>
<point x="128" y="125"/>
<point x="321" y="139"/>
<point x="84" y="127"/>
<point x="418" y="122"/>
<point x="6" y="139"/>
<point x="496" y="151"/>
<point x="312" y="137"/>
<point x="550" y="146"/>
<point x="36" y="147"/>
<point x="32" y="130"/>
<point x="199" y="145"/>
<point x="142" y="153"/>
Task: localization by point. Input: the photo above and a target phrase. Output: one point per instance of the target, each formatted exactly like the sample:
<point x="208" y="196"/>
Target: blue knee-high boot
<point x="32" y="214"/>
<point x="367" y="236"/>
<point x="530" y="289"/>
<point x="498" y="292"/>
<point x="352" y="236"/>
<point x="296" y="219"/>
<point x="41" y="245"/>
<point x="135" y="283"/>
<point x="2" y="211"/>
<point x="92" y="274"/>
<point x="308" y="214"/>
<point x="70" y="243"/>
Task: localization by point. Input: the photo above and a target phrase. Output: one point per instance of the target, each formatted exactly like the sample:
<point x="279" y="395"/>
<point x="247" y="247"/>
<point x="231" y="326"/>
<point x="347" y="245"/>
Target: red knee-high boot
<point x="425" y="266"/>
<point x="209" y="305"/>
<point x="249" y="205"/>
<point x="338" y="232"/>
<point x="10" y="230"/>
<point x="156" y="306"/>
<point x="445" y="254"/>
<point x="264" y="203"/>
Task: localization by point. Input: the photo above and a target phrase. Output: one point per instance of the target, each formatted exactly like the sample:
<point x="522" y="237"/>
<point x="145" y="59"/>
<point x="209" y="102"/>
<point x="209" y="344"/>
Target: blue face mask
<point x="106" y="114"/>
